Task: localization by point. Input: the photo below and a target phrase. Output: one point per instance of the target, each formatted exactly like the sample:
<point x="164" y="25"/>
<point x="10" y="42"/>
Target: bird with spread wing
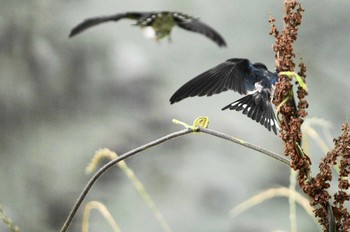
<point x="156" y="24"/>
<point x="254" y="81"/>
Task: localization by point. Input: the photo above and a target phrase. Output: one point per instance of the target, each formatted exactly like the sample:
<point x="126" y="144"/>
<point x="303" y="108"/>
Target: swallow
<point x="254" y="81"/>
<point x="156" y="25"/>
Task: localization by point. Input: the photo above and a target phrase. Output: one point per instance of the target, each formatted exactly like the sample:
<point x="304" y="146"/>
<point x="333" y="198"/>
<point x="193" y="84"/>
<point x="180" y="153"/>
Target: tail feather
<point x="258" y="107"/>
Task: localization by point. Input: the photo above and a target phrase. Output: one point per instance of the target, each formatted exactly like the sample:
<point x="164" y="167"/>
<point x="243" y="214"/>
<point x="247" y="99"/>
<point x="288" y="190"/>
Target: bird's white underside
<point x="149" y="32"/>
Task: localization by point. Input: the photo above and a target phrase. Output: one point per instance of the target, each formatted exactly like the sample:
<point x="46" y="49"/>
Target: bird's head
<point x="260" y="65"/>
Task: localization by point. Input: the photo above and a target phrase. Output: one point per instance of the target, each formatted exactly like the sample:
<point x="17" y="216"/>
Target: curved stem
<point x="152" y="144"/>
<point x="112" y="163"/>
<point x="246" y="144"/>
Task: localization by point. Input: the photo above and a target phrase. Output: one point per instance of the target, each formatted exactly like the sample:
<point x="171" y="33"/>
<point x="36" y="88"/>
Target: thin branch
<point x="112" y="163"/>
<point x="245" y="144"/>
<point x="111" y="155"/>
<point x="152" y="144"/>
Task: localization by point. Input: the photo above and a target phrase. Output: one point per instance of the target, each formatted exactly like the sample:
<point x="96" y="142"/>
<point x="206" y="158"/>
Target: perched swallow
<point x="156" y="24"/>
<point x="254" y="81"/>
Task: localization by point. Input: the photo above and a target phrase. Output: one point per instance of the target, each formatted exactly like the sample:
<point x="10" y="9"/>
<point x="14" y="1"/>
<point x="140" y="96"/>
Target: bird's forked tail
<point x="258" y="107"/>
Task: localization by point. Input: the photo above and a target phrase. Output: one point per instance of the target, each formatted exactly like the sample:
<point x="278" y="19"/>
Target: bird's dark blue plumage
<point x="240" y="75"/>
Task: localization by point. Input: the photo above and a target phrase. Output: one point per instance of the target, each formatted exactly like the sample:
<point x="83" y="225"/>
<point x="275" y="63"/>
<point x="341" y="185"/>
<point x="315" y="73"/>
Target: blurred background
<point x="62" y="99"/>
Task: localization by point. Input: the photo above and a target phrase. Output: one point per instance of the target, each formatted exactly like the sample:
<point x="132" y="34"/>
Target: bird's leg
<point x="296" y="76"/>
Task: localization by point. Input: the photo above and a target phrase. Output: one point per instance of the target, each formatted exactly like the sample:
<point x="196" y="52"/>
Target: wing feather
<point x="192" y="24"/>
<point x="90" y="22"/>
<point x="233" y="74"/>
<point x="258" y="107"/>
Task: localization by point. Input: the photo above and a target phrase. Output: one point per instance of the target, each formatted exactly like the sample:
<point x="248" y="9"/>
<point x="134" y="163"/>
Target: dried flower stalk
<point x="291" y="116"/>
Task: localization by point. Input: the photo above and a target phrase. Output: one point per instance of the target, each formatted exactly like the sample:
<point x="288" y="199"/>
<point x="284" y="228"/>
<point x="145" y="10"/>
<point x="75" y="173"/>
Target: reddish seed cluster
<point x="317" y="189"/>
<point x="341" y="154"/>
<point x="301" y="94"/>
<point x="284" y="41"/>
<point x="291" y="114"/>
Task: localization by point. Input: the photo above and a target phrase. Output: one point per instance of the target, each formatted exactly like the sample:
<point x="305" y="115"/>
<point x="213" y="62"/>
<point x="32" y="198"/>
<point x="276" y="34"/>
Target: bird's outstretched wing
<point x="192" y="24"/>
<point x="234" y="74"/>
<point x="90" y="22"/>
<point x="257" y="106"/>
